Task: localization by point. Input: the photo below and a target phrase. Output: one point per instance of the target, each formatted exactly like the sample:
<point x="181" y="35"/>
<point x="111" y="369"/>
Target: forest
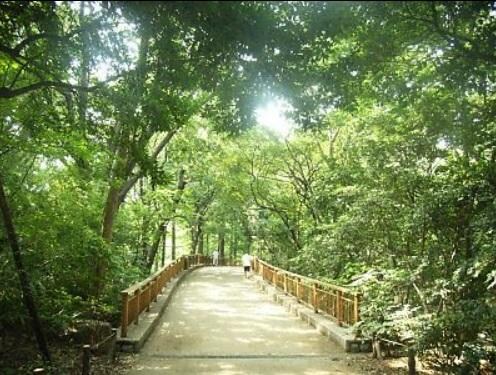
<point x="129" y="136"/>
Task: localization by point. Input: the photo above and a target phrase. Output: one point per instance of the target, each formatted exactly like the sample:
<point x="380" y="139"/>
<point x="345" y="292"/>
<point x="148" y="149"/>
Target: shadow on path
<point x="218" y="323"/>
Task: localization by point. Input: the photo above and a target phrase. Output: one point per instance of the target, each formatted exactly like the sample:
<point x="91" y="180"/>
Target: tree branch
<point x="7" y="92"/>
<point x="33" y="38"/>
<point x="18" y="74"/>
<point x="12" y="54"/>
<point x="133" y="179"/>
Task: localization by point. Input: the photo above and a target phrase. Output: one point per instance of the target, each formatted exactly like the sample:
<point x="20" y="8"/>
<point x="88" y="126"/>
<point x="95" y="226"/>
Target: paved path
<point x="218" y="323"/>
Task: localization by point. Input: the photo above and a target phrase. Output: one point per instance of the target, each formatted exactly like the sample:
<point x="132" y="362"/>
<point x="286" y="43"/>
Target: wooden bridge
<point x="217" y="322"/>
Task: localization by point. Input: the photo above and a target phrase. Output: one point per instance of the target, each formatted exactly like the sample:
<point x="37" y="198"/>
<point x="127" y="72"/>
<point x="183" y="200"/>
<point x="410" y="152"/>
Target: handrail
<point x="139" y="296"/>
<point x="310" y="280"/>
<point x="342" y="304"/>
<point x="141" y="283"/>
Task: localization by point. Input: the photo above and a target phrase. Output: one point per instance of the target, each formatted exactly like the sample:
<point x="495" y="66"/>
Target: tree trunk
<point x="200" y="243"/>
<point x="145" y="248"/>
<point x="27" y="294"/>
<point x="84" y="69"/>
<point x="196" y="237"/>
<point x="162" y="229"/>
<point x="173" y="251"/>
<point x="193" y="238"/>
<point x="165" y="244"/>
<point x="221" y="243"/>
<point x="199" y="235"/>
<point x="152" y="253"/>
<point x="123" y="172"/>
<point x="232" y="243"/>
<point x="83" y="82"/>
<point x="115" y="194"/>
<point x="234" y="250"/>
<point x="109" y="213"/>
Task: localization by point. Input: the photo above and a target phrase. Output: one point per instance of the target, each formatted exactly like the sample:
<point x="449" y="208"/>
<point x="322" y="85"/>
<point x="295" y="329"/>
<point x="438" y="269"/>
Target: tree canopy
<point x="128" y="136"/>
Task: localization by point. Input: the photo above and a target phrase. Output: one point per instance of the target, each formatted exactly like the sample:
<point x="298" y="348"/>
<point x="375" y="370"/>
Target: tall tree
<point x="24" y="281"/>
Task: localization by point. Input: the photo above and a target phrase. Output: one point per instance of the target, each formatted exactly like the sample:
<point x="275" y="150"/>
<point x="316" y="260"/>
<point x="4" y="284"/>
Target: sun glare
<point x="273" y="117"/>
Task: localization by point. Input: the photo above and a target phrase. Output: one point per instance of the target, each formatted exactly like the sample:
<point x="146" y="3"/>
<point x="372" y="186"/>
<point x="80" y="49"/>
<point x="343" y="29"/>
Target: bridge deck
<point x="218" y="323"/>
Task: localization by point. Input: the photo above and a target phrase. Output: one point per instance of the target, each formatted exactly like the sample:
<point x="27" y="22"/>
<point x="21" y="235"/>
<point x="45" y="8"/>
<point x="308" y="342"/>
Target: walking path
<point x="218" y="323"/>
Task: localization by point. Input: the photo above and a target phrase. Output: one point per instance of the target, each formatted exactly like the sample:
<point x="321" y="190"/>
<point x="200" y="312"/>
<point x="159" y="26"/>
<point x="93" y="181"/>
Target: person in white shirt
<point x="246" y="259"/>
<point x="215" y="258"/>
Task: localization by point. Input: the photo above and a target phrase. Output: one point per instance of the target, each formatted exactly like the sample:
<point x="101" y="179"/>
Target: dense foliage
<point x="125" y="141"/>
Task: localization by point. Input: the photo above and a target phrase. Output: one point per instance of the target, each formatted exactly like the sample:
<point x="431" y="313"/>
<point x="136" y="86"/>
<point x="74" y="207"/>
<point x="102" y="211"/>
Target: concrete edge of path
<point x="137" y="334"/>
<point x="340" y="335"/>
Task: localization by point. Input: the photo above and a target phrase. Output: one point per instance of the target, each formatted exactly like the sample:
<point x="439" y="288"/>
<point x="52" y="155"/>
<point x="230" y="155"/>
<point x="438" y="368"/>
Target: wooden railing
<point x="138" y="297"/>
<point x="340" y="303"/>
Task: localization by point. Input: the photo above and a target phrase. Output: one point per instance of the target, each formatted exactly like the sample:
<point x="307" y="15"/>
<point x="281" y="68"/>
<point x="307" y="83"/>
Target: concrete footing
<point x="324" y="324"/>
<point x="137" y="334"/>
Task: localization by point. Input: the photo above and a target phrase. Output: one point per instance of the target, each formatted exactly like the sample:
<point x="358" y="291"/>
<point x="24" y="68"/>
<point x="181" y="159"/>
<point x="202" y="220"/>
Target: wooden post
<point x="152" y="293"/>
<point x="157" y="286"/>
<point x="376" y="348"/>
<point x="138" y="304"/>
<point x="339" y="308"/>
<point x="411" y="362"/>
<point x="111" y="352"/>
<point x="154" y="289"/>
<point x="285" y="283"/>
<point x="125" y="313"/>
<point x="314" y="298"/>
<point x="355" y="308"/>
<point x="149" y="296"/>
<point x="297" y="289"/>
<point x="86" y="359"/>
<point x="274" y="278"/>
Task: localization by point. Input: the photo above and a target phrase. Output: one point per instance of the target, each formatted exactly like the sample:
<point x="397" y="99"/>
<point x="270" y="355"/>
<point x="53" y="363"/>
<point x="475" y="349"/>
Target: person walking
<point x="215" y="258"/>
<point x="246" y="259"/>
